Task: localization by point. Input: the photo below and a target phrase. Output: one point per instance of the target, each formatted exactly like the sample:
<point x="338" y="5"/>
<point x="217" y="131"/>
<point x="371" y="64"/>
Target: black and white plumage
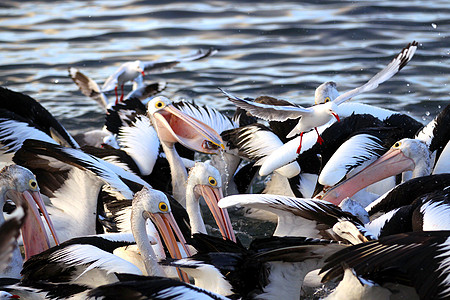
<point x="93" y="260"/>
<point x="143" y="287"/>
<point x="406" y="192"/>
<point x="21" y="118"/>
<point x="270" y="267"/>
<point x="397" y="259"/>
<point x="408" y="154"/>
<point x="72" y="180"/>
<point x="303" y="217"/>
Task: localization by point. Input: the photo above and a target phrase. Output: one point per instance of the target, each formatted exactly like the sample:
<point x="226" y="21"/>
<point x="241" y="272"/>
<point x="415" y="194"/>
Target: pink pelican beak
<point x="175" y="126"/>
<point x="212" y="197"/>
<point x="391" y="163"/>
<point x="34" y="236"/>
<point x="168" y="229"/>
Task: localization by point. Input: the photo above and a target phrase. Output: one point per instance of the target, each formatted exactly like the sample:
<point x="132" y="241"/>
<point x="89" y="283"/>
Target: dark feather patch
<point x="31" y="110"/>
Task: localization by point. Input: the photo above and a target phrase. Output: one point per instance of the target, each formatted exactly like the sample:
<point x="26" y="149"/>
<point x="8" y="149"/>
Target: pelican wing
<point x="269" y="112"/>
<point x="9" y="232"/>
<point x="162" y="65"/>
<point x="296" y="217"/>
<point x="208" y="115"/>
<point x="397" y="258"/>
<point x="390" y="70"/>
<point x="352" y="153"/>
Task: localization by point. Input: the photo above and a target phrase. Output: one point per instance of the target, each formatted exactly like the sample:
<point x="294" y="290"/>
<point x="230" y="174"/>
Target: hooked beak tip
<point x="337" y="117"/>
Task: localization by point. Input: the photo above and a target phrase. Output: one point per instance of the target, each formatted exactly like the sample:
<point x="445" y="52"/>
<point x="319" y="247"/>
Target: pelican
<point x="90" y="260"/>
<point x="320" y="114"/>
<point x="416" y="155"/>
<point x="174" y="126"/>
<point x="303" y="217"/>
<point x="19" y="185"/>
<point x="128" y="71"/>
<point x="205" y="180"/>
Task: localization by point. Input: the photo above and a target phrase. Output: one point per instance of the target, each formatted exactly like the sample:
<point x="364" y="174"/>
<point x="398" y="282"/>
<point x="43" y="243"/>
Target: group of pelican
<point x="361" y="203"/>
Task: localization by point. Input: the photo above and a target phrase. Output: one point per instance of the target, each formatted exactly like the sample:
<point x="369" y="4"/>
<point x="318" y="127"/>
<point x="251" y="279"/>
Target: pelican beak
<point x="34" y="236"/>
<point x="391" y="163"/>
<point x="212" y="197"/>
<point x="167" y="226"/>
<point x="175" y="126"/>
<point x="336" y="116"/>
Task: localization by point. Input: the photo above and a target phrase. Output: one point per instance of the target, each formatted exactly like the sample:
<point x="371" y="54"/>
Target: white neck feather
<point x="178" y="173"/>
<point x="139" y="232"/>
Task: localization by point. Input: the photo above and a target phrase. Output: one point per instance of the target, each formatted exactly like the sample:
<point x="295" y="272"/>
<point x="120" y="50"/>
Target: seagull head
<point x="137" y="67"/>
<point x="331" y="109"/>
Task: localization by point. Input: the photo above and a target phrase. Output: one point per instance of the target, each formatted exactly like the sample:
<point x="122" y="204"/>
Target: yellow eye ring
<point x="397" y="145"/>
<point x="159" y="104"/>
<point x="163" y="206"/>
<point x="327" y="99"/>
<point x="212" y="181"/>
<point x="32" y="184"/>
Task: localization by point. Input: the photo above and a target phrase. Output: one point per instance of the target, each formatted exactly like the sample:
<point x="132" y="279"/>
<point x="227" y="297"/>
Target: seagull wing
<point x="113" y="80"/>
<point x="88" y="87"/>
<point x="162" y="65"/>
<point x="390" y="70"/>
<point x="269" y="112"/>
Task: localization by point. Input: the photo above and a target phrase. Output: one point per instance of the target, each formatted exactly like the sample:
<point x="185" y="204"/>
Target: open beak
<point x="167" y="226"/>
<point x="34" y="236"/>
<point x="212" y="197"/>
<point x="391" y="163"/>
<point x="336" y="116"/>
<point x="175" y="126"/>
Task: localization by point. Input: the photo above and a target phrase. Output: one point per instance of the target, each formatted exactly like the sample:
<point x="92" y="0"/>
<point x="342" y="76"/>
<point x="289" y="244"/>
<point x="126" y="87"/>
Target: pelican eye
<point x="212" y="181"/>
<point x="397" y="145"/>
<point x="159" y="104"/>
<point x="163" y="207"/>
<point x="32" y="184"/>
<point x="327" y="99"/>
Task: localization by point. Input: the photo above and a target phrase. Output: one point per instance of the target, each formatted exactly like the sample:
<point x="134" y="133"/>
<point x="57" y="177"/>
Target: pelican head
<point x="154" y="205"/>
<point x="207" y="182"/>
<point x="174" y="126"/>
<point x="326" y="92"/>
<point x="19" y="185"/>
<point x="404" y="155"/>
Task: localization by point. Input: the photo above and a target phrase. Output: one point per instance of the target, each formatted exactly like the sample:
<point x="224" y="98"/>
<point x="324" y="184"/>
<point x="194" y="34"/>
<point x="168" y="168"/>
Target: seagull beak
<point x="167" y="226"/>
<point x="212" y="197"/>
<point x="34" y="236"/>
<point x="336" y="116"/>
<point x="391" y="163"/>
<point x="143" y="74"/>
<point x="175" y="126"/>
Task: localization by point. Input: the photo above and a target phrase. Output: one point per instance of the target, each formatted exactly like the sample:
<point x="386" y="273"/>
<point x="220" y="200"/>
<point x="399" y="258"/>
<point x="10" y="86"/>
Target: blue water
<point x="284" y="49"/>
